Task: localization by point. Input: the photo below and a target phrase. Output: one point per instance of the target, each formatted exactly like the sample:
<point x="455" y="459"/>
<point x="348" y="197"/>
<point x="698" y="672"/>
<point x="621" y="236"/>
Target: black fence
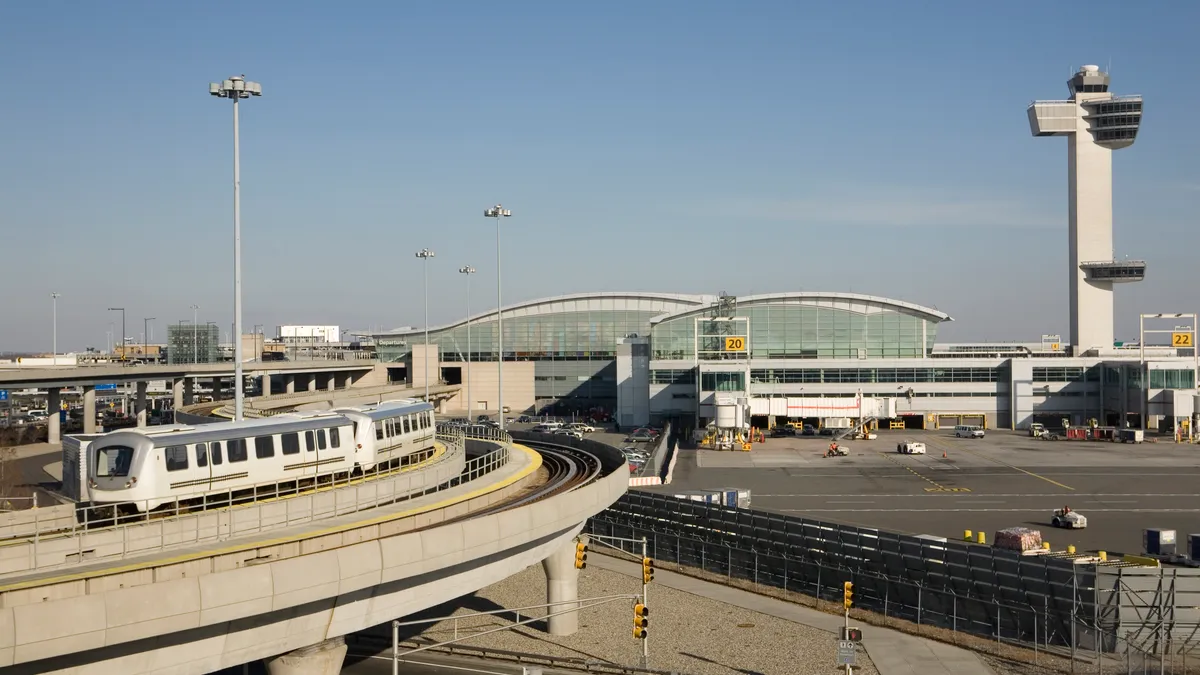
<point x="974" y="589"/>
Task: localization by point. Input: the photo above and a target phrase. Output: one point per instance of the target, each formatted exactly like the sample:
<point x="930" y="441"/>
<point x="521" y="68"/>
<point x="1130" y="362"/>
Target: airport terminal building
<point x="649" y="357"/>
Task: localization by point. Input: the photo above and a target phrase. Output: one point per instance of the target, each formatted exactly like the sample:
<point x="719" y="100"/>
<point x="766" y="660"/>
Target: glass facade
<point x="789" y="330"/>
<point x="1172" y="379"/>
<point x="560" y="336"/>
<point x="876" y="375"/>
<point x="193" y="344"/>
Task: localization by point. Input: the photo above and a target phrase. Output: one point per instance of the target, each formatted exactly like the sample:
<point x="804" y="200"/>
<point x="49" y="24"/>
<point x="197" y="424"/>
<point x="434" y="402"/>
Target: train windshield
<point x="114" y="461"/>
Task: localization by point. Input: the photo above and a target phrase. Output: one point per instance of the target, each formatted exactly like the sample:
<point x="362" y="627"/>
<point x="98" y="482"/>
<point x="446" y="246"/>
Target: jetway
<point x="857" y="407"/>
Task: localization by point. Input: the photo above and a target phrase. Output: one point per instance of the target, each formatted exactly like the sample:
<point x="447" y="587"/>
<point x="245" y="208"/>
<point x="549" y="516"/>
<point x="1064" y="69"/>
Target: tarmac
<point x="892" y="652"/>
<point x="1005" y="479"/>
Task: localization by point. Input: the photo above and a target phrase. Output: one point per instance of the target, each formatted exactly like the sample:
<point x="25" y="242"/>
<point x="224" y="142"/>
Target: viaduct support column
<point x="324" y="658"/>
<point x="562" y="585"/>
<point x="139" y="403"/>
<point x="54" y="416"/>
<point x="312" y="381"/>
<point x="289" y="384"/>
<point x="89" y="409"/>
<point x="331" y="382"/>
<point x="189" y="391"/>
<point x="177" y="392"/>
<point x="266" y="385"/>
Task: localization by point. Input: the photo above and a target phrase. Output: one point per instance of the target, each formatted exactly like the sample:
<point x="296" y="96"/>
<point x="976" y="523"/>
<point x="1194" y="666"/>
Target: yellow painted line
<point x="937" y="487"/>
<point x="1017" y="468"/>
<point x="535" y="462"/>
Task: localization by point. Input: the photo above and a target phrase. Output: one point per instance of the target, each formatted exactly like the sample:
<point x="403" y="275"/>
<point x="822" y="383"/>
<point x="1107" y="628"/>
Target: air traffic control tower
<point x="1095" y="123"/>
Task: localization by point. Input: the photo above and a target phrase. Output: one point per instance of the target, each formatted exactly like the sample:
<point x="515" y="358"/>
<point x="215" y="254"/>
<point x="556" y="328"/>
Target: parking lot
<point x="1002" y="480"/>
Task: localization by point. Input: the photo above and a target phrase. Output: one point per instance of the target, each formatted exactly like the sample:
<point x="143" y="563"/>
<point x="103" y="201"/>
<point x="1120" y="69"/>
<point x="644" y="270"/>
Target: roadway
<point x="1006" y="479"/>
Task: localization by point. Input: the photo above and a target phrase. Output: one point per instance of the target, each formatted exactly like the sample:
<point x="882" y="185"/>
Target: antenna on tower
<point x="1109" y="71"/>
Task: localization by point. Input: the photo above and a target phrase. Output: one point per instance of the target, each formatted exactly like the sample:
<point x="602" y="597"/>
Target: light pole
<point x="236" y="88"/>
<point x="195" y="334"/>
<point x="499" y="212"/>
<point x="468" y="271"/>
<point x="122" y="311"/>
<point x="425" y="254"/>
<point x="146" y="337"/>
<point x="54" y="308"/>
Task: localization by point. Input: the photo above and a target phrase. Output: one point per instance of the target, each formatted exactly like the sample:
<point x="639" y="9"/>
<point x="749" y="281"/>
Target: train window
<point x="214" y="450"/>
<point x="237" y="449"/>
<point x="264" y="447"/>
<point x="335" y="439"/>
<point x="321" y="439"/>
<point x="114" y="461"/>
<point x="309" y="443"/>
<point x="290" y="443"/>
<point x="201" y="455"/>
<point x="379" y="431"/>
<point x="176" y="456"/>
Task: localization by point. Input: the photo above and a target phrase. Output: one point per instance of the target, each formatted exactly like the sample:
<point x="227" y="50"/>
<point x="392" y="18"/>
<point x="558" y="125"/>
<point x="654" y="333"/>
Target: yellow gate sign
<point x="735" y="344"/>
<point x="1181" y="339"/>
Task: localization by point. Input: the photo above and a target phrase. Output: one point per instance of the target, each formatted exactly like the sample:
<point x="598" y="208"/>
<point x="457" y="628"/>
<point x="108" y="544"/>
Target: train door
<point x="312" y="457"/>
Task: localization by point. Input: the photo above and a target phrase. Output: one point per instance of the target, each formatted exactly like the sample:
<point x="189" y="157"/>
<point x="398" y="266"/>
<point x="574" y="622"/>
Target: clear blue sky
<point x="663" y="146"/>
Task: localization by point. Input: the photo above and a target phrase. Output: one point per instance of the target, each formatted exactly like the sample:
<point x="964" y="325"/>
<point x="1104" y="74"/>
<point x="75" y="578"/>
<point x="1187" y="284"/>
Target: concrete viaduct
<point x="285" y="579"/>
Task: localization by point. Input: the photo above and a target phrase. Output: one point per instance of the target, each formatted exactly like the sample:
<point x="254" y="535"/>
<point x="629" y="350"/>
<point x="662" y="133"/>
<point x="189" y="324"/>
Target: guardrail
<point x="109" y="538"/>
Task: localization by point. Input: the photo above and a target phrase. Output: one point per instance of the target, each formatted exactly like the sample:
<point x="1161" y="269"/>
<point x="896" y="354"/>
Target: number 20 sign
<point x="735" y="344"/>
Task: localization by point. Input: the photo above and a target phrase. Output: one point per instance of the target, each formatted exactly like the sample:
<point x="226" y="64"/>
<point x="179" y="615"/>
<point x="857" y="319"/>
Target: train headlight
<point x="91" y="483"/>
<point x="128" y="484"/>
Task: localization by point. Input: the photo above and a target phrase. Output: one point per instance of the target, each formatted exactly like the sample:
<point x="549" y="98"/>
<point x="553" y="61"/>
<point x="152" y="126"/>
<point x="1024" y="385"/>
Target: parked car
<point x="573" y="433"/>
<point x="581" y="427"/>
<point x="809" y="430"/>
<point x="641" y="436"/>
<point x="782" y="431"/>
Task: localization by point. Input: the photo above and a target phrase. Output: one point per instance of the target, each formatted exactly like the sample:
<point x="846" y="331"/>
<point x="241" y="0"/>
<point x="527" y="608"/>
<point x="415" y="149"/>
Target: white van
<point x="547" y="427"/>
<point x="968" y="431"/>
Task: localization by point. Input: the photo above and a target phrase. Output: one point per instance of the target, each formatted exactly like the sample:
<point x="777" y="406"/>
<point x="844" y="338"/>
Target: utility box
<point x="1159" y="542"/>
<point x="1194" y="546"/>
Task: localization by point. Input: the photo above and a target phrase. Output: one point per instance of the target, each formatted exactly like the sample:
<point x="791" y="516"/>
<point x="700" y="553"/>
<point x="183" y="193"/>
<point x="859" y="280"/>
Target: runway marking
<point x="852" y="501"/>
<point x="937" y="487"/>
<point x="987" y="501"/>
<point x="1017" y="468"/>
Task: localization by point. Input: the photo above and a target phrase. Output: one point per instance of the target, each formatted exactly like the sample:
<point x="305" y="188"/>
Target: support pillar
<point x="216" y="389"/>
<point x="312" y="381"/>
<point x="349" y="381"/>
<point x="323" y="658"/>
<point x="177" y="392"/>
<point x="331" y="382"/>
<point x="289" y="384"/>
<point x="53" y="415"/>
<point x="139" y="404"/>
<point x="562" y="585"/>
<point x="189" y="391"/>
<point x="266" y="385"/>
<point x="89" y="409"/>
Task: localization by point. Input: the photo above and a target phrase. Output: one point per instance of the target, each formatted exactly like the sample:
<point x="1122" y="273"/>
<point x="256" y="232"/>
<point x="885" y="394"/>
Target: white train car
<point x="152" y="466"/>
<point x="394" y="429"/>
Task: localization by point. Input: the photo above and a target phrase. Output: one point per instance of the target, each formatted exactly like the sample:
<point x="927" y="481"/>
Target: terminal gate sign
<point x="735" y="344"/>
<point x="1177" y="340"/>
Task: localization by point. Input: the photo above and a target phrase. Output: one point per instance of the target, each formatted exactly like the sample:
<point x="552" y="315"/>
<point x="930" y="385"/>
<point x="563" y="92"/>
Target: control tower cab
<point x="1095" y="122"/>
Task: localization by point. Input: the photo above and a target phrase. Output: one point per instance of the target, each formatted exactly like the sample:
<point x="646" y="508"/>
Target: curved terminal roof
<point x="857" y="302"/>
<point x="577" y="302"/>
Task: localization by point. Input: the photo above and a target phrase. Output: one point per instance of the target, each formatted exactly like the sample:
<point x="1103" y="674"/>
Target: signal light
<point x="640" y="622"/>
<point x="848" y="594"/>
<point x="580" y="555"/>
<point x="852" y="634"/>
<point x="647" y="570"/>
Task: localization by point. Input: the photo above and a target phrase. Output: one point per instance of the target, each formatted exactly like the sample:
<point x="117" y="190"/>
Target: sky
<point x="675" y="146"/>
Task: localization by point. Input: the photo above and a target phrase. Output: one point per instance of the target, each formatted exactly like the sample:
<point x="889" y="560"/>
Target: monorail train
<point x="151" y="466"/>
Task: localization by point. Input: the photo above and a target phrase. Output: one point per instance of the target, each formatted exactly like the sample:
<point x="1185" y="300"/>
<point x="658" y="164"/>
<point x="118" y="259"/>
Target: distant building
<point x="295" y="336"/>
<point x="187" y="343"/>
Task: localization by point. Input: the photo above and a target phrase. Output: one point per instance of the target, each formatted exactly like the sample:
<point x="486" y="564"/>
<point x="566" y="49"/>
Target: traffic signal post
<point x="847" y="652"/>
<point x="641" y="610"/>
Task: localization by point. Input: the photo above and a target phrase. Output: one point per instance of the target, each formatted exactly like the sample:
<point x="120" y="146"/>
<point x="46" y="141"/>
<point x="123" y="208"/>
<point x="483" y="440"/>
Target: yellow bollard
<point x="1046" y="545"/>
<point x="1103" y="556"/>
<point x="968" y="535"/>
<point x="982" y="539"/>
<point x="1071" y="549"/>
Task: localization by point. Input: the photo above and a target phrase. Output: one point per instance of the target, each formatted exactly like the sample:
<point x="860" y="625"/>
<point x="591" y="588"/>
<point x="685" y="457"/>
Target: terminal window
<point x="723" y="382"/>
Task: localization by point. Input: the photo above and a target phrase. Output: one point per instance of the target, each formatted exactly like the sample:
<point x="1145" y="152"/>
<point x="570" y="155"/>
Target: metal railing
<point x="282" y="506"/>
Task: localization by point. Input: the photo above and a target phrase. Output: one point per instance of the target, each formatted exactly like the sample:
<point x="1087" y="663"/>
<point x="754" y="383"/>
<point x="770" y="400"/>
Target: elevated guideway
<point x="197" y="592"/>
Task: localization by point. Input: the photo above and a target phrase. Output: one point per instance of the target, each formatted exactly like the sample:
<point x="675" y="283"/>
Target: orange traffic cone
<point x="943" y="454"/>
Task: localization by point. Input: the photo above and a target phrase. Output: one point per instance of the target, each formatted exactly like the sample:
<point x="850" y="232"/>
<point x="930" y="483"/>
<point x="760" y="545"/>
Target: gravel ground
<point x="688" y="633"/>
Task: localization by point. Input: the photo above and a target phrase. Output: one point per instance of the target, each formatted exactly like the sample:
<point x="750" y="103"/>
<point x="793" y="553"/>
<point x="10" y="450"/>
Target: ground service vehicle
<point x="152" y="466"/>
<point x="911" y="448"/>
<point x="1066" y="518"/>
<point x="968" y="431"/>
